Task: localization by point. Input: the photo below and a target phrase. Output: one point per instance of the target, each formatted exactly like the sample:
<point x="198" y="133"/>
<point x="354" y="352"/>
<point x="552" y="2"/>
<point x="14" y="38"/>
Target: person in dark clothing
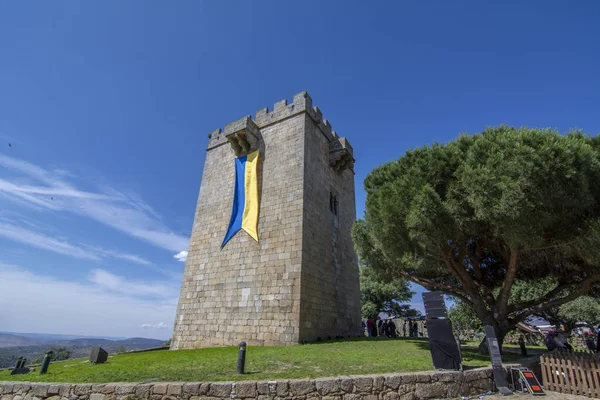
<point x="380" y="326"/>
<point x="384" y="328"/>
<point x="392" y="329"/>
<point x="416" y="330"/>
<point x="549" y="341"/>
<point x="522" y="346"/>
<point x="598" y="339"/>
<point x="374" y="329"/>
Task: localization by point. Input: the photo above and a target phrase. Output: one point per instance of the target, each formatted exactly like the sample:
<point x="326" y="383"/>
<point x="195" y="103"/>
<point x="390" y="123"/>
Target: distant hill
<point x="9" y="340"/>
<point x="54" y="338"/>
<point x="13" y="346"/>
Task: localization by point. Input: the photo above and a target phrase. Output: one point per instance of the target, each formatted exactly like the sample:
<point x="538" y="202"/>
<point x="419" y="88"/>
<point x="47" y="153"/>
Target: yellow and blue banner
<point x="244" y="213"/>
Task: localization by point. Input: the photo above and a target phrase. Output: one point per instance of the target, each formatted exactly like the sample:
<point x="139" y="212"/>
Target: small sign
<point x="531" y="383"/>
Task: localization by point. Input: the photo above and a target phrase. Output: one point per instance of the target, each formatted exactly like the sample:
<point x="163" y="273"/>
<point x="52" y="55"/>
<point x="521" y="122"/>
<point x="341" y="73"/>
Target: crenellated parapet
<point x="244" y="134"/>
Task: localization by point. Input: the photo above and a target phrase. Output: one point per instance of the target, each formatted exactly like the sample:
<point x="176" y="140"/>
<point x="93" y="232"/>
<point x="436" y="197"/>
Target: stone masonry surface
<point x="409" y="386"/>
<point x="300" y="282"/>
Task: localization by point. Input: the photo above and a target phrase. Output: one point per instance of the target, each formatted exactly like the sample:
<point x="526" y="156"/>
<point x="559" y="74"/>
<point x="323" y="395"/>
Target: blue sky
<point x="107" y="106"/>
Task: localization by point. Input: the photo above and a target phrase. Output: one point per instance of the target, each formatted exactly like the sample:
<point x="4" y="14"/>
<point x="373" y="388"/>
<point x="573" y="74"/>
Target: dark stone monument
<point x="46" y="362"/>
<point x="497" y="368"/>
<point x="445" y="349"/>
<point x="98" y="355"/>
<point x="20" y="368"/>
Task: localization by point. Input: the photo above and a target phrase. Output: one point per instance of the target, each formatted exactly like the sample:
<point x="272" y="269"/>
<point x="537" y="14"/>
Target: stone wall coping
<point x="386" y="386"/>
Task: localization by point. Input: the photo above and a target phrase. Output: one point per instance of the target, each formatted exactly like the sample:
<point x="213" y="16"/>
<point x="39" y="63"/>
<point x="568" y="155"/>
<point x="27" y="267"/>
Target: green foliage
<point x="349" y="357"/>
<point x="528" y="290"/>
<point x="378" y="295"/>
<point x="59" y="353"/>
<point x="473" y="216"/>
<point x="463" y="317"/>
<point x="585" y="309"/>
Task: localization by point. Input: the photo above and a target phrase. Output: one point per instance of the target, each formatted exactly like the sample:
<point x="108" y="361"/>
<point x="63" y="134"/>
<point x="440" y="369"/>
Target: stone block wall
<point x="424" y="385"/>
<point x="301" y="280"/>
<point x="330" y="277"/>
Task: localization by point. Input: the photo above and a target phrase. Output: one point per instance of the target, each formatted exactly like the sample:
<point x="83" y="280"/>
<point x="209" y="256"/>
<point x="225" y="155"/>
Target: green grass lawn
<point x="508" y="346"/>
<point x="350" y="357"/>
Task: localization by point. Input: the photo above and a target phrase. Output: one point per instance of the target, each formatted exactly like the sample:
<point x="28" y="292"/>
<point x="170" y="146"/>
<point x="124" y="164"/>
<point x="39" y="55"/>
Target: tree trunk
<point x="501" y="328"/>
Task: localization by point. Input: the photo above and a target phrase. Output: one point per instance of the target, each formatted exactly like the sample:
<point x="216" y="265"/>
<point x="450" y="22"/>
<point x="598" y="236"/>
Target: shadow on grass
<point x="366" y="339"/>
<point x="471" y="357"/>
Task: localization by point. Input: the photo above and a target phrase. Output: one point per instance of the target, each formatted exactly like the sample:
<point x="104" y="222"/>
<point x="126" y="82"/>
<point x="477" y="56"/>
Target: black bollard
<point x="18" y="364"/>
<point x="241" y="358"/>
<point x="46" y="362"/>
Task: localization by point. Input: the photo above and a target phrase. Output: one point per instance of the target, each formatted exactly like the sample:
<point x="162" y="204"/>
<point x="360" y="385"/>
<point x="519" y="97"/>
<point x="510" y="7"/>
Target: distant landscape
<point x="34" y="345"/>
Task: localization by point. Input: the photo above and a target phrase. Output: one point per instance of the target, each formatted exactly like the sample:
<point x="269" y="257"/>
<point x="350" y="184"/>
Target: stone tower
<point x="300" y="281"/>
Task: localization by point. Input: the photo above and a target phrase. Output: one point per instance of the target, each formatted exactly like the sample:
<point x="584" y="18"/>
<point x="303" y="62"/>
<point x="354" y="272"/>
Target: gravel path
<point x="523" y="396"/>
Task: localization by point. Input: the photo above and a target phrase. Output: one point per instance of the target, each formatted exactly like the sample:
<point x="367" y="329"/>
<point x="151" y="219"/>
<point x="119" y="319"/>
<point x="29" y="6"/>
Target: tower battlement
<point x="299" y="281"/>
<point x="238" y="132"/>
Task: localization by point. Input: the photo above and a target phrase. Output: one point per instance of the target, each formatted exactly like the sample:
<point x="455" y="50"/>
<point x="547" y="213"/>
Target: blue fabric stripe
<point x="239" y="200"/>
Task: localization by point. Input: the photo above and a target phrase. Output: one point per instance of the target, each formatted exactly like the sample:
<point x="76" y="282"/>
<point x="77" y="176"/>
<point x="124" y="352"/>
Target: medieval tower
<point x="299" y="281"/>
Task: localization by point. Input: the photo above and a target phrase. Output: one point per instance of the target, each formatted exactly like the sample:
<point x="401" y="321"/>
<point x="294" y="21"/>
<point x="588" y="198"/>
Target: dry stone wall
<point x="430" y="385"/>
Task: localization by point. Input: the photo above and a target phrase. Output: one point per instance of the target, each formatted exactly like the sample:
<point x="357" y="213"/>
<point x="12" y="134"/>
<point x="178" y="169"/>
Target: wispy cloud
<point x="115" y="283"/>
<point x="160" y="325"/>
<point x="181" y="256"/>
<point x="58" y="245"/>
<point x="34" y="239"/>
<point x="39" y="188"/>
<point x="114" y="254"/>
<point x="82" y="305"/>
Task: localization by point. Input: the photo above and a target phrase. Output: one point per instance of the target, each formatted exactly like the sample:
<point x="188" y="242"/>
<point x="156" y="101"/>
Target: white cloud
<point x="79" y="308"/>
<point x="45" y="242"/>
<point x="51" y="190"/>
<point x="115" y="283"/>
<point x="160" y="325"/>
<point x="181" y="256"/>
<point x="114" y="254"/>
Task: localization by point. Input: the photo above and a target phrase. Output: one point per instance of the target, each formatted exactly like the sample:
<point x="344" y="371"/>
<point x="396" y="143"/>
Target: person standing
<point x="384" y="328"/>
<point x="598" y="339"/>
<point x="522" y="346"/>
<point x="369" y="327"/>
<point x="392" y="328"/>
<point x="550" y="342"/>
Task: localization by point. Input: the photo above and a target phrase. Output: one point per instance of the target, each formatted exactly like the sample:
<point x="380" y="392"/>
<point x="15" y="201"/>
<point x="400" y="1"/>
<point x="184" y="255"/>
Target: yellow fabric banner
<point x="250" y="216"/>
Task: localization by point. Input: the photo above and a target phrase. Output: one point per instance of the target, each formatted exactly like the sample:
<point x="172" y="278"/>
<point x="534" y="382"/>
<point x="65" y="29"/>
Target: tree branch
<point x="585" y="287"/>
<point x="547" y="297"/>
<point x="477" y="261"/>
<point x="432" y="285"/>
<point x="509" y="280"/>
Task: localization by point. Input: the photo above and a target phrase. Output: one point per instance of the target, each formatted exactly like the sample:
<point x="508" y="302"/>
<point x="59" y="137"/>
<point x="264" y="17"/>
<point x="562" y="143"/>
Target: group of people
<point x="379" y="327"/>
<point x="556" y="340"/>
<point x="387" y="327"/>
